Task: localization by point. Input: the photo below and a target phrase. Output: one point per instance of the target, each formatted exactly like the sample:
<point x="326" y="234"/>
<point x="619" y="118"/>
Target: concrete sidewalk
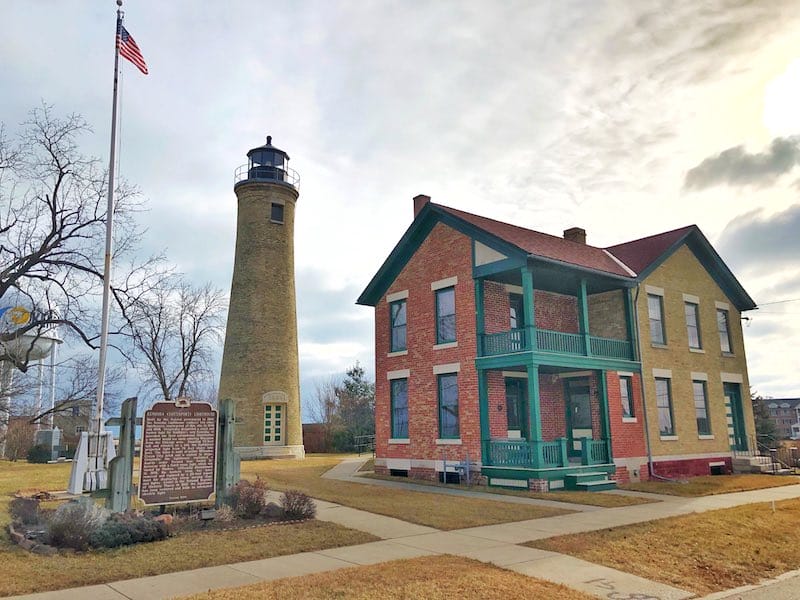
<point x="496" y="544"/>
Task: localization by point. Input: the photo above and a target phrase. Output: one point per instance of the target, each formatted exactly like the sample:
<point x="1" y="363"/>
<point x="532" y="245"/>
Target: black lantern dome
<point x="269" y="164"/>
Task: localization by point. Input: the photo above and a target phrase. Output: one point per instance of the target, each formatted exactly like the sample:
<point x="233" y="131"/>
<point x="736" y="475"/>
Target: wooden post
<point x="227" y="457"/>
<point x="120" y="469"/>
<point x="528" y="307"/>
<point x="583" y="316"/>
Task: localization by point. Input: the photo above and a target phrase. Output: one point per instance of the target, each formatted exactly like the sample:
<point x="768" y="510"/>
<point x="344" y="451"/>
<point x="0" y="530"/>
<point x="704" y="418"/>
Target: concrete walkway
<point x="496" y="544"/>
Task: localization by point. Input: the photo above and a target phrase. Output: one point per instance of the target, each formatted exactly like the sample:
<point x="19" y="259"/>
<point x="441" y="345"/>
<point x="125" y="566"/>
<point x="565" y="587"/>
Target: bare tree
<point x="173" y="331"/>
<point x="52" y="227"/>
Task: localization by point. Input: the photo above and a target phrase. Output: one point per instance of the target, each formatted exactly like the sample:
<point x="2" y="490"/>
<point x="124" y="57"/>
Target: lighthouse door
<point x="273" y="424"/>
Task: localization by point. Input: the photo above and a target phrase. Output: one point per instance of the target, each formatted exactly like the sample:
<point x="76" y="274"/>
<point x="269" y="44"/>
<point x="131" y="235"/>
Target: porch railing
<point x="559" y="342"/>
<point x="539" y="454"/>
<point x="594" y="452"/>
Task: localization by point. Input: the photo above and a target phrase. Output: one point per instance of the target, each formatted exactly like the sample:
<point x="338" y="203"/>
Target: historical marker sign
<point x="179" y="448"/>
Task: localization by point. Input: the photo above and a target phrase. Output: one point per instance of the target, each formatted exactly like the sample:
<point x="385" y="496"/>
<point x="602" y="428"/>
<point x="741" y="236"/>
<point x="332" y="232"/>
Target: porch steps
<point x="590" y="481"/>
<point x="758" y="464"/>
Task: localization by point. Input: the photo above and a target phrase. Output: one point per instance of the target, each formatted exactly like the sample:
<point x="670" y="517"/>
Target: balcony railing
<point x="557" y="342"/>
<point x="544" y="455"/>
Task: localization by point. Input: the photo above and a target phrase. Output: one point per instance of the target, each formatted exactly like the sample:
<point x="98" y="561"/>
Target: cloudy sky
<point x="626" y="118"/>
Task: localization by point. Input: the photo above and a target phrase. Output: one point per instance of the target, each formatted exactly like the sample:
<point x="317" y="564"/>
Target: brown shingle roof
<point x="543" y="244"/>
<point x="639" y="254"/>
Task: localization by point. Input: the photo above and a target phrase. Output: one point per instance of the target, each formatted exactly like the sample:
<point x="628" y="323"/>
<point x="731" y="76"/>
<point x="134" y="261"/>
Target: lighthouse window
<point x="276" y="213"/>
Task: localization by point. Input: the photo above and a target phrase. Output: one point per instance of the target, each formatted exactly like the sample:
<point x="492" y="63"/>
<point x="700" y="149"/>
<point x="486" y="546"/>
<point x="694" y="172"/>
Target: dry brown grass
<point x="368" y="466"/>
<point x="433" y="510"/>
<point x="22" y="572"/>
<point x="704" y="552"/>
<point x="709" y="485"/>
<point x="573" y="497"/>
<point x="433" y="578"/>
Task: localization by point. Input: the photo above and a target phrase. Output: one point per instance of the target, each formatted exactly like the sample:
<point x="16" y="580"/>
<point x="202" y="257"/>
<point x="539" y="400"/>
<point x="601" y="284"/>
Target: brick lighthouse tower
<point x="260" y="361"/>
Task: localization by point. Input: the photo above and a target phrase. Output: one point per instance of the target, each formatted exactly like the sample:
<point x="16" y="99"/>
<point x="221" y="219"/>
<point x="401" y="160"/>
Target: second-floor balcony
<point x="528" y="339"/>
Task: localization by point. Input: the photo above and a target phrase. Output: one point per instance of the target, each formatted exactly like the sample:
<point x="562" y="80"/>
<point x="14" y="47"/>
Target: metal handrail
<point x="266" y="173"/>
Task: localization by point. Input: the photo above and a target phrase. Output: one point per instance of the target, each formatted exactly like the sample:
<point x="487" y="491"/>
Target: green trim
<point x="671" y="407"/>
<point x="713" y="263"/>
<point x="439" y="404"/>
<point x="704" y="385"/>
<point x="583" y="316"/>
<point x="549" y="474"/>
<point x="696" y="325"/>
<point x="483" y="404"/>
<point x="662" y="320"/>
<point x="626" y="381"/>
<point x="518" y="359"/>
<point x="437" y="293"/>
<point x="528" y="304"/>
<point x="480" y="315"/>
<point x="534" y="408"/>
<point x="630" y="324"/>
<point x="605" y="418"/>
<point x="500" y="266"/>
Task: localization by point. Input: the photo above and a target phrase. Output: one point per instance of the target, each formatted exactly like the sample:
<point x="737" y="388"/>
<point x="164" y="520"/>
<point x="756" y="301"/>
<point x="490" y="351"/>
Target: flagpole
<point x="101" y="371"/>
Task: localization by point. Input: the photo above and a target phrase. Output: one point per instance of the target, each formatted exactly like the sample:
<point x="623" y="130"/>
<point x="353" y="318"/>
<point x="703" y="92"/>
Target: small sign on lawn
<point x="179" y="450"/>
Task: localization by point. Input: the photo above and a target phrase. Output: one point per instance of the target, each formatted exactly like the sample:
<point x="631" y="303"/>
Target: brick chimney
<point x="575" y="234"/>
<point x="419" y="202"/>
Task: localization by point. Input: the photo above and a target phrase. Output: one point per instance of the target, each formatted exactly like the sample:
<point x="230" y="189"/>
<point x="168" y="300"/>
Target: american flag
<point x="128" y="49"/>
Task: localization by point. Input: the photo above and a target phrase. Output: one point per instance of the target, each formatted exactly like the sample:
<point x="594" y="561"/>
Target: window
<point x="517" y="318"/>
<point x="664" y="405"/>
<point x="79" y="429"/>
<point x="76" y="411"/>
<point x="724" y="330"/>
<point x="276" y="213"/>
<point x="445" y="315"/>
<point x="701" y="408"/>
<point x="399" y="393"/>
<point x="448" y="406"/>
<point x="655" y="308"/>
<point x="692" y="325"/>
<point x="626" y="394"/>
<point x="397" y="315"/>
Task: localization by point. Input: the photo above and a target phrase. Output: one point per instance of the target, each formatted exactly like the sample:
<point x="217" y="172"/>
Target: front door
<point x="517" y="407"/>
<point x="273" y="424"/>
<point x="733" y="398"/>
<point x="579" y="413"/>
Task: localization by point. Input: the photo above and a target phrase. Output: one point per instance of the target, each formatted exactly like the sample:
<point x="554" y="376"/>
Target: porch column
<point x="483" y="409"/>
<point x="583" y="316"/>
<point x="534" y="410"/>
<point x="630" y="322"/>
<point x="602" y="396"/>
<point x="480" y="323"/>
<point x="528" y="309"/>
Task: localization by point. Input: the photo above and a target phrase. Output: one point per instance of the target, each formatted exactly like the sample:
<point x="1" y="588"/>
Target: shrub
<point x="73" y="523"/>
<point x="248" y="499"/>
<point x="297" y="505"/>
<point x="39" y="454"/>
<point x="224" y="514"/>
<point x="24" y="510"/>
<point x="125" y="529"/>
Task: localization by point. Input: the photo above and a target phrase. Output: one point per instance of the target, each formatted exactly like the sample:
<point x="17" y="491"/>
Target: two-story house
<point x="539" y="359"/>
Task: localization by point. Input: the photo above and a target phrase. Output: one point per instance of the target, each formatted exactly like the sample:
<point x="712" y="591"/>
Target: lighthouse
<point x="260" y="370"/>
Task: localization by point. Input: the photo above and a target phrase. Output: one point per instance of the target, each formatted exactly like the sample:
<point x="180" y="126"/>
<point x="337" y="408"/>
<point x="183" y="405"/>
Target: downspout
<point x="650" y="464"/>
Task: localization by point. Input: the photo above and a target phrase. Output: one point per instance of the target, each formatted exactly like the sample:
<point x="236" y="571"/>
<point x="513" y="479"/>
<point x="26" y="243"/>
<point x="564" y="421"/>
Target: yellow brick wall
<point x="683" y="274"/>
<point x="260" y="352"/>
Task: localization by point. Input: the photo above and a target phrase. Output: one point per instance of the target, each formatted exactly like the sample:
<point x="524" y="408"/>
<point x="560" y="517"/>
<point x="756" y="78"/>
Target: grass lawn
<point x="22" y="572"/>
<point x="431" y="577"/>
<point x="433" y="510"/>
<point x="709" y="485"/>
<point x="703" y="552"/>
<point x="590" y="498"/>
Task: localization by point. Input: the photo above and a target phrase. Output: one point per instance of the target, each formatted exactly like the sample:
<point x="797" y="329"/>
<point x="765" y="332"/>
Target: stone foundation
<point x="261" y="452"/>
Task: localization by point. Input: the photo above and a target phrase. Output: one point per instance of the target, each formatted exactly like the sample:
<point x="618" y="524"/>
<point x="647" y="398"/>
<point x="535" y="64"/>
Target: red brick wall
<point x="556" y="311"/>
<point x="553" y="311"/>
<point x="627" y="439"/>
<point x="498" y="419"/>
<point x="689" y="467"/>
<point x="444" y="253"/>
<point x="551" y="404"/>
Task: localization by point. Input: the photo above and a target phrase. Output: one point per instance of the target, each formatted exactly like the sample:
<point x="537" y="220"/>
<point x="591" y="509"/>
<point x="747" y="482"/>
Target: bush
<point x="73" y="524"/>
<point x="126" y="529"/>
<point x="24" y="510"/>
<point x="224" y="514"/>
<point x="248" y="499"/>
<point x="39" y="454"/>
<point x="297" y="505"/>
